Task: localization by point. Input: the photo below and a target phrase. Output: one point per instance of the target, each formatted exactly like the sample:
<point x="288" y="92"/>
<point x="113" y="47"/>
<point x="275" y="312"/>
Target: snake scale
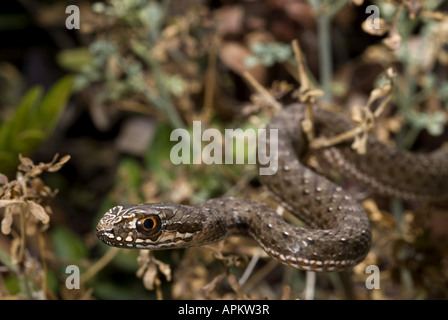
<point x="339" y="234"/>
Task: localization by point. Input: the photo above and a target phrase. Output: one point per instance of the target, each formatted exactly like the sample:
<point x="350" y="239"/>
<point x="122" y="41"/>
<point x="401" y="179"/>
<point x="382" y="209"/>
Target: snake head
<point x="144" y="226"/>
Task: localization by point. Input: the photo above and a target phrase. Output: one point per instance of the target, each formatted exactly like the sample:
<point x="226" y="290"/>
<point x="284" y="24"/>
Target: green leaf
<point x="129" y="178"/>
<point x="5" y="259"/>
<point x="12" y="284"/>
<point x="68" y="245"/>
<point x="53" y="103"/>
<point x="27" y="140"/>
<point x="21" y="118"/>
<point x="75" y="59"/>
<point x="157" y="158"/>
<point x="7" y="160"/>
<point x="33" y="120"/>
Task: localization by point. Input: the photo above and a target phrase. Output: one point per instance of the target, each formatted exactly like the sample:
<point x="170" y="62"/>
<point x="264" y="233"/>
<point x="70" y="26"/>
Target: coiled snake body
<point x="339" y="236"/>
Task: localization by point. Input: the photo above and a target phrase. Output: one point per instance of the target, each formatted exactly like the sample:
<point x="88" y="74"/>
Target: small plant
<point x="147" y="61"/>
<point x="268" y="54"/>
<point x="25" y="216"/>
<point x="33" y="120"/>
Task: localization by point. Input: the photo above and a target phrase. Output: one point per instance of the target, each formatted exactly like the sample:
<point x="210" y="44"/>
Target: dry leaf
<point x="38" y="212"/>
<point x="359" y="143"/>
<point x="8" y="203"/>
<point x="15" y="249"/>
<point x="7" y="222"/>
<point x="26" y="164"/>
<point x="209" y="287"/>
<point x="164" y="268"/>
<point x="150" y="276"/>
<point x="3" y="179"/>
<point x="393" y="41"/>
<point x="57" y="166"/>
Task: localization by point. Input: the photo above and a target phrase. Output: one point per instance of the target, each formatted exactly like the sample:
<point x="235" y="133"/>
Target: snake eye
<point x="149" y="225"/>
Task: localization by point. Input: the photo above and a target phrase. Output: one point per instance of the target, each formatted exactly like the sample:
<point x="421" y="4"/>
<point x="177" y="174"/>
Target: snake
<point x="336" y="232"/>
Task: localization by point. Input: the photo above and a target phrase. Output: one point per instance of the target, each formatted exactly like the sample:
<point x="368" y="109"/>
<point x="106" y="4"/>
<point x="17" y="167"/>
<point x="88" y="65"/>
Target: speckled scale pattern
<point x="339" y="234"/>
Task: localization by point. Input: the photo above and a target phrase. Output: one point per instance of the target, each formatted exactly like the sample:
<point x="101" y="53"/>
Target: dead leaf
<point x="393" y="41"/>
<point x="209" y="287"/>
<point x="164" y="268"/>
<point x="7" y="222"/>
<point x="38" y="212"/>
<point x="3" y="179"/>
<point x="150" y="276"/>
<point x="26" y="164"/>
<point x="58" y="165"/>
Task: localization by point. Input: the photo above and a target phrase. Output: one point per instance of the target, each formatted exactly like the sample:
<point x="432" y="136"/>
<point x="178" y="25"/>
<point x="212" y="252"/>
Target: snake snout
<point x="103" y="233"/>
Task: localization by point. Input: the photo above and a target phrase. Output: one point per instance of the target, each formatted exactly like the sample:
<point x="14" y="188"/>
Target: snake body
<point x="339" y="234"/>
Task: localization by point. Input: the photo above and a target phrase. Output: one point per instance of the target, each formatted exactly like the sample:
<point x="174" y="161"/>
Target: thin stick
<point x="303" y="78"/>
<point x="250" y="268"/>
<point x="100" y="264"/>
<point x="304" y="91"/>
<point x="325" y="63"/>
<point x="310" y="285"/>
<point x="261" y="90"/>
<point x="43" y="262"/>
<point x="327" y="142"/>
<point x="258" y="276"/>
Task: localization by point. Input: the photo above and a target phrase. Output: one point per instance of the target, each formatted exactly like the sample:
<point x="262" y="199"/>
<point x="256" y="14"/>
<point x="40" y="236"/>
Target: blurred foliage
<point x="417" y="41"/>
<point x="136" y="63"/>
<point x="67" y="245"/>
<point x="25" y="209"/>
<point x="33" y="120"/>
<point x="269" y="53"/>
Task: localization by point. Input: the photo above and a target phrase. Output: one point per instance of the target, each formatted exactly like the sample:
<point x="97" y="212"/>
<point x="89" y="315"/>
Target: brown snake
<point x="339" y="236"/>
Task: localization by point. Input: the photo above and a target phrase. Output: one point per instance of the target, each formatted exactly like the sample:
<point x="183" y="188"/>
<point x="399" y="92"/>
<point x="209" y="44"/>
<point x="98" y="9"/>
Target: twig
<point x="210" y="84"/>
<point x="250" y="267"/>
<point x="325" y="63"/>
<point x="100" y="264"/>
<point x="306" y="94"/>
<point x="43" y="262"/>
<point x="303" y="78"/>
<point x="261" y="90"/>
<point x="310" y="285"/>
<point x="364" y="119"/>
<point x="258" y="276"/>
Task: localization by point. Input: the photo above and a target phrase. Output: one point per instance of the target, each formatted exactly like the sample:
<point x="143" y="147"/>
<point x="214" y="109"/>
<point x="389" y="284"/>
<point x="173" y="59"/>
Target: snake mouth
<point x="101" y="234"/>
<point x="107" y="236"/>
